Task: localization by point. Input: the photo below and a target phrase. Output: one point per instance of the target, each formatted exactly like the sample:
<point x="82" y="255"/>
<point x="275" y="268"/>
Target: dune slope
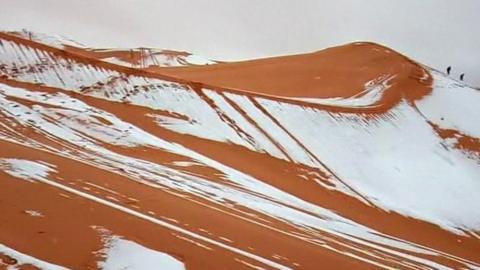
<point x="354" y="157"/>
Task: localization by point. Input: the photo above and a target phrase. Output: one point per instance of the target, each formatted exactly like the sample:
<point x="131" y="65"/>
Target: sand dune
<point x="353" y="157"/>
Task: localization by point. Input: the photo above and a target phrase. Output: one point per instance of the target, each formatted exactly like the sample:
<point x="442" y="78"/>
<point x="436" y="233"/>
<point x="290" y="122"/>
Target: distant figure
<point x="461" y="76"/>
<point x="449" y="68"/>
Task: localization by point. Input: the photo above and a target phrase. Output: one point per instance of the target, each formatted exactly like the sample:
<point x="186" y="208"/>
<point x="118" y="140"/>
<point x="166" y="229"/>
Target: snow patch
<point x="25" y="169"/>
<point x="123" y="254"/>
<point x="56" y="41"/>
<point x="22" y="258"/>
<point x="34" y="213"/>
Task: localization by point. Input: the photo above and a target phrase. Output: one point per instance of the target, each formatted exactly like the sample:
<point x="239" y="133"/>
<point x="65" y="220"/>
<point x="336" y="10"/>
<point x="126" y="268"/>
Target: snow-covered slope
<point x="138" y="57"/>
<point x="205" y="176"/>
<point x="146" y="57"/>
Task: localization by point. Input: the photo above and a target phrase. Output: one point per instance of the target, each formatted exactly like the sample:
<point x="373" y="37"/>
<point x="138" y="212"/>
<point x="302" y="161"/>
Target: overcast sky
<point x="435" y="32"/>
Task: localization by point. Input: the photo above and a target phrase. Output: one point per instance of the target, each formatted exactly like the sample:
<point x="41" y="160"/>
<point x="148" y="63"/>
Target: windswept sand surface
<point x="353" y="157"/>
<point x="338" y="72"/>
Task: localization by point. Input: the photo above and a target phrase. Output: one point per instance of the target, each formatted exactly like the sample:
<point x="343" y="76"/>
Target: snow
<point x="34" y="213"/>
<point x="56" y="41"/>
<point x="247" y="130"/>
<point x="249" y="265"/>
<point x="191" y="241"/>
<point x="25" y="169"/>
<point x="370" y="96"/>
<point x="128" y="255"/>
<point x="74" y="120"/>
<point x="246" y="191"/>
<point x="185" y="163"/>
<point x="198" y="60"/>
<point x="387" y="157"/>
<point x="36" y="66"/>
<point x="201" y="116"/>
<point x="442" y="106"/>
<point x="27" y="259"/>
<point x="163" y="223"/>
<point x="160" y="58"/>
<point x="331" y="223"/>
<point x="288" y="144"/>
<point x="117" y="61"/>
<point x="165" y="59"/>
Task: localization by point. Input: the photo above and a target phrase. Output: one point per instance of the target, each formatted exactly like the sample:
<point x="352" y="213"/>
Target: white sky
<point x="435" y="32"/>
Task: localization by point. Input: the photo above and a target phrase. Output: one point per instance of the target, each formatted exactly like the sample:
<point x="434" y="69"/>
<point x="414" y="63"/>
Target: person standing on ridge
<point x="461" y="76"/>
<point x="449" y="68"/>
